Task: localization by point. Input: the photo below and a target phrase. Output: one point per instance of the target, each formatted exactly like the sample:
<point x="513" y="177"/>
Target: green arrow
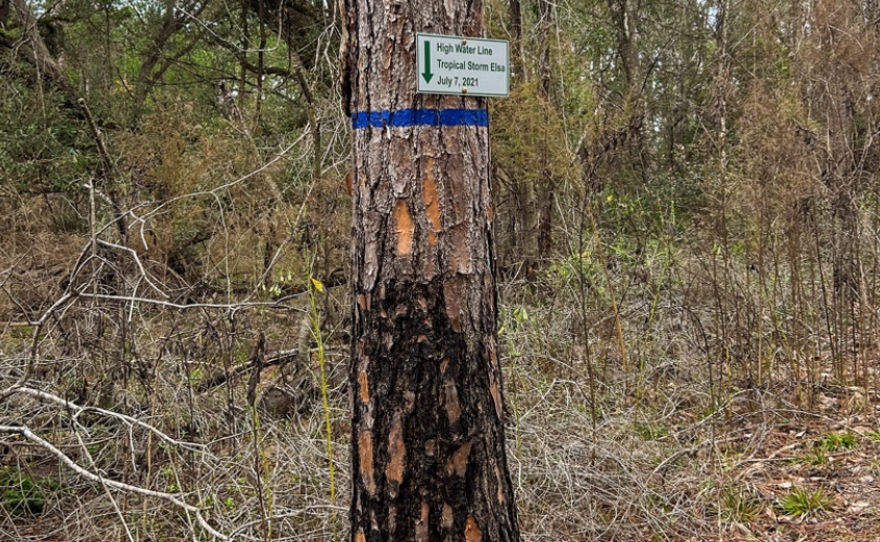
<point x="428" y="75"/>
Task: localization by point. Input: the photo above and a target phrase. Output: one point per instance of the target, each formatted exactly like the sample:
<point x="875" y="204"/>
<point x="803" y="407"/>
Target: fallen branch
<point x="276" y="359"/>
<point x="225" y="306"/>
<point x="129" y="420"/>
<point x="98" y="479"/>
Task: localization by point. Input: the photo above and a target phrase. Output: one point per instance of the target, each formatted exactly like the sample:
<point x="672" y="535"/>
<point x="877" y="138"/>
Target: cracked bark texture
<point x="428" y="457"/>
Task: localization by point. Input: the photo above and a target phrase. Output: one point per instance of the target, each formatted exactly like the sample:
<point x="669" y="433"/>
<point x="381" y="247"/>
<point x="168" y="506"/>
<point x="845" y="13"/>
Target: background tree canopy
<point x="686" y="209"/>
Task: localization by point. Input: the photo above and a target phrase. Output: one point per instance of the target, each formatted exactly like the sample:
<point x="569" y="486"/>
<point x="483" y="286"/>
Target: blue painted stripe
<point x="420" y="117"/>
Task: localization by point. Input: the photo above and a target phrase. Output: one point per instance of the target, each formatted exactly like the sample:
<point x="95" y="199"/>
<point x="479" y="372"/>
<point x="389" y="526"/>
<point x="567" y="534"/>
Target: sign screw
<point x="464" y="42"/>
<point x="464" y="90"/>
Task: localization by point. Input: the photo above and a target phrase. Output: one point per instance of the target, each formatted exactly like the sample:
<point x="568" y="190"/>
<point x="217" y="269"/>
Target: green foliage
<point x="740" y="504"/>
<point x="43" y="146"/>
<point x="803" y="502"/>
<point x="651" y="430"/>
<point x="814" y="457"/>
<point x="528" y="137"/>
<point x="23" y="494"/>
<point x="833" y="442"/>
<point x="703" y="188"/>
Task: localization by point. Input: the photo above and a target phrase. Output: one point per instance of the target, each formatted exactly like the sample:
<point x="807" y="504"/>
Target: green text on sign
<point x="464" y="66"/>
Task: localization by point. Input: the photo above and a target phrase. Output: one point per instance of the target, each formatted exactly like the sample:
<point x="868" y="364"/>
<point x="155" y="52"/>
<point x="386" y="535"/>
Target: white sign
<point x="464" y="66"/>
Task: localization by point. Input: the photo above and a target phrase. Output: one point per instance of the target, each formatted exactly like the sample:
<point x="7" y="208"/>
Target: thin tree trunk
<point x="4" y="14"/>
<point x="245" y="46"/>
<point x="36" y="51"/>
<point x="544" y="237"/>
<point x="625" y="17"/>
<point x="428" y="456"/>
<point x="545" y="24"/>
<point x="516" y="57"/>
<point x="152" y="69"/>
<point x="261" y="13"/>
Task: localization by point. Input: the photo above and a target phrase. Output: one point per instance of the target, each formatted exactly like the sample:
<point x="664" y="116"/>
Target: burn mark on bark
<point x="429" y="390"/>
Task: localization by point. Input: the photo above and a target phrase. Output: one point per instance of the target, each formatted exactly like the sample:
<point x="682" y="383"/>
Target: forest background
<point x="687" y="197"/>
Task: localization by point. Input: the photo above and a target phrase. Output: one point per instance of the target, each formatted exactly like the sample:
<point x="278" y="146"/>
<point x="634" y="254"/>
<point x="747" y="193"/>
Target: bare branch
<point x="137" y="261"/>
<point x="78" y="410"/>
<point x="224" y="306"/>
<point x="97" y="478"/>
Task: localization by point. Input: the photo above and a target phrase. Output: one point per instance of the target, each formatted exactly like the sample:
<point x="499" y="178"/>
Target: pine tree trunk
<point x="428" y="457"/>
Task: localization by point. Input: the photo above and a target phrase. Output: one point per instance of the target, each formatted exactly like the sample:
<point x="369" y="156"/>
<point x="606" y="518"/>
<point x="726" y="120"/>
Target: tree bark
<point x="4" y="14"/>
<point x="516" y="56"/>
<point x="624" y="15"/>
<point x="428" y="456"/>
<point x="546" y="189"/>
<point x="37" y="51"/>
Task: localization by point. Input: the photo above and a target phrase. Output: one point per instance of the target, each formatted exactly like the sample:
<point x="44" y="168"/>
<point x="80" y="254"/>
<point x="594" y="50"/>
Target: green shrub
<point x="802" y="502"/>
<point x="833" y="442"/>
<point x="22" y="494"/>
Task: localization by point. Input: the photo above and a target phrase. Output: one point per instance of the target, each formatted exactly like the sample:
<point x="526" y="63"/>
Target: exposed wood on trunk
<point x="428" y="451"/>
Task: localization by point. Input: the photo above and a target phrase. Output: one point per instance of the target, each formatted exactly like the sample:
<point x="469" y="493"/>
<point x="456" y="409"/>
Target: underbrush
<point x="677" y="444"/>
<point x="663" y="381"/>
